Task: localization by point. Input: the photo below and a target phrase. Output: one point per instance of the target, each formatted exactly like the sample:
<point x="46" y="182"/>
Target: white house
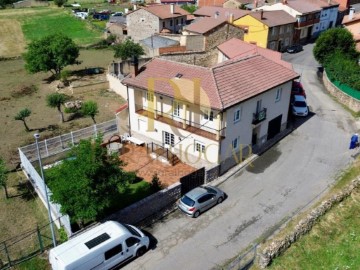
<point x="210" y="115"/>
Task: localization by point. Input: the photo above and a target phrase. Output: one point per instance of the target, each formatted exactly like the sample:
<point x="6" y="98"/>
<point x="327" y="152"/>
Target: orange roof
<point x="223" y="13"/>
<point x="273" y="18"/>
<point x="216" y="3"/>
<point x="220" y="87"/>
<point x="355" y="18"/>
<point x="204" y="25"/>
<point x="164" y="11"/>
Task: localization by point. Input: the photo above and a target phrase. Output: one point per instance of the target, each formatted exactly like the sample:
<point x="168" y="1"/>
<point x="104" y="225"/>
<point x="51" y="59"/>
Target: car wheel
<point x="140" y="252"/>
<point x="220" y="200"/>
<point x="196" y="214"/>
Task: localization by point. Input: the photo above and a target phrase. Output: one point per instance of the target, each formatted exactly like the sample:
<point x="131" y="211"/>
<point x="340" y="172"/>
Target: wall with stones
<point x="151" y="208"/>
<point x="204" y="59"/>
<point x="222" y="34"/>
<point x="304" y="226"/>
<point x="142" y="24"/>
<point x="343" y="98"/>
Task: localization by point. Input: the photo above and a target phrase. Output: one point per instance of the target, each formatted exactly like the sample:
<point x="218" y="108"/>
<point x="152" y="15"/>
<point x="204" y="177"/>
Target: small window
<point x="142" y="19"/>
<point x="281" y="29"/>
<point x="131" y="241"/>
<point x="112" y="252"/>
<point x="237" y="115"/>
<point x="182" y="20"/>
<point x="235" y="143"/>
<point x="208" y="115"/>
<point x="163" y="24"/>
<point x="176" y="108"/>
<point x="177" y="21"/>
<point x="205" y="198"/>
<point x="149" y="96"/>
<point x="171" y="23"/>
<point x="278" y="94"/>
<point x="199" y="147"/>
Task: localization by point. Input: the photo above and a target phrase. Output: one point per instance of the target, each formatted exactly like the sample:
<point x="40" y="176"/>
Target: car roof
<point x="299" y="98"/>
<point x="196" y="193"/>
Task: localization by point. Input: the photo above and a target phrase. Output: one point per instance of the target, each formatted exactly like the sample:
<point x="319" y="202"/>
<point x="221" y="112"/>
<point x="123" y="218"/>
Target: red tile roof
<point x="204" y="25"/>
<point x="164" y="12"/>
<point x="273" y="18"/>
<point x="355" y="18"/>
<point x="234" y="48"/>
<point x="224" y="13"/>
<point x="216" y="3"/>
<point x="220" y="87"/>
<point x="304" y="6"/>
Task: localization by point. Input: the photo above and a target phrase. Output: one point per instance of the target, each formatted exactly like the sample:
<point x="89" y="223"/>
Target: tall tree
<point x="56" y="100"/>
<point x="332" y="40"/>
<point x="90" y="108"/>
<point x="128" y="49"/>
<point x="51" y="53"/>
<point x="87" y="183"/>
<point x="22" y="115"/>
<point x="3" y="176"/>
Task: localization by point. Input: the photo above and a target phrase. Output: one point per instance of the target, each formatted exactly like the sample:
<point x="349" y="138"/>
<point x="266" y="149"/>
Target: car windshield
<point x="132" y="230"/>
<point x="300" y="104"/>
<point x="186" y="200"/>
<point x="210" y="190"/>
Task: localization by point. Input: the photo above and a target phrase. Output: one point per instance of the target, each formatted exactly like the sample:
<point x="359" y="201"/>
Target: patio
<point x="137" y="159"/>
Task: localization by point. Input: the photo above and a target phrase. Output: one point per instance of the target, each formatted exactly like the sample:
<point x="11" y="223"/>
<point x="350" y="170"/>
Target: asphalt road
<point x="286" y="179"/>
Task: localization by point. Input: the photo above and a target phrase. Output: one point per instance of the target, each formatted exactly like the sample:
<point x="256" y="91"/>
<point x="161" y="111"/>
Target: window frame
<point x="237" y="139"/>
<point x="237" y="115"/>
<point x="199" y="147"/>
<point x="278" y="94"/>
<point x="176" y="108"/>
<point x="112" y="252"/>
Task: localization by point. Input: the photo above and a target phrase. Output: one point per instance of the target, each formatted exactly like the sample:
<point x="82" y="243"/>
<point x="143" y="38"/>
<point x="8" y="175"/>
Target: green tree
<point x="60" y="3"/>
<point x="22" y="115"/>
<point x="90" y="108"/>
<point x="189" y="8"/>
<point x="332" y="40"/>
<point x="156" y="184"/>
<point x="51" y="53"/>
<point x="3" y="176"/>
<point x="55" y="100"/>
<point x="86" y="183"/>
<point x="128" y="49"/>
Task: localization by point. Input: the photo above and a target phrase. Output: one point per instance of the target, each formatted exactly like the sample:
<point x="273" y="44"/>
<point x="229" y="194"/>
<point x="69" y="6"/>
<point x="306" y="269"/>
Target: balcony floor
<point x="137" y="159"/>
<point x="174" y="123"/>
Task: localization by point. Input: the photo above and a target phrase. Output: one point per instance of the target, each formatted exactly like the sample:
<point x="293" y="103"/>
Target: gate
<point x="192" y="180"/>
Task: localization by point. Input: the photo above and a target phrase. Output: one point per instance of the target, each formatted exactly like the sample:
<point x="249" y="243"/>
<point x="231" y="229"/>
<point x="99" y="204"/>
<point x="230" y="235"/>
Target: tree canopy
<point x="22" y="115"/>
<point x="128" y="49"/>
<point x="189" y="8"/>
<point x="55" y="100"/>
<point x="87" y="181"/>
<point x="332" y="40"/>
<point x="51" y="53"/>
<point x="90" y="108"/>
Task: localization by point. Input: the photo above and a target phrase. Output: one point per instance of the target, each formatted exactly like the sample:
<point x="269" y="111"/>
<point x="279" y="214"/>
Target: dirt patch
<point x="12" y="42"/>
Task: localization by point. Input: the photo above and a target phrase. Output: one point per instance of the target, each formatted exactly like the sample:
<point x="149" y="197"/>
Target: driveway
<point x="283" y="181"/>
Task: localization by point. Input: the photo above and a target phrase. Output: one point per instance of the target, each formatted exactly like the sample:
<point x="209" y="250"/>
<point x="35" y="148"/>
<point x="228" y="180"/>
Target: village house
<point x="209" y="116"/>
<point x="352" y="23"/>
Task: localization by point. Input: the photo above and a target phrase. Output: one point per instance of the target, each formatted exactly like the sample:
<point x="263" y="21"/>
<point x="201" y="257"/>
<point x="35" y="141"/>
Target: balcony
<point x="259" y="116"/>
<point x="191" y="127"/>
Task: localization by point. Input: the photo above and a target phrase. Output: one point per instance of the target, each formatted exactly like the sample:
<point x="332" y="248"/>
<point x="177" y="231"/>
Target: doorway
<point x="274" y="127"/>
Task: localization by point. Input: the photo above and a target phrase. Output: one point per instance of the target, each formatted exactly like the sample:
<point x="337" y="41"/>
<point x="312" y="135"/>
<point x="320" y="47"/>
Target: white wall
<point x="116" y="85"/>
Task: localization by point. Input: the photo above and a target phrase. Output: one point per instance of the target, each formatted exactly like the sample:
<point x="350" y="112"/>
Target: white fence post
<point x="72" y="138"/>
<point x="46" y="148"/>
<point x="95" y="131"/>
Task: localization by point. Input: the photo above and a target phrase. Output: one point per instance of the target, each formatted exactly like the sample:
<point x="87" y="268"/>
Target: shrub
<point x="156" y="184"/>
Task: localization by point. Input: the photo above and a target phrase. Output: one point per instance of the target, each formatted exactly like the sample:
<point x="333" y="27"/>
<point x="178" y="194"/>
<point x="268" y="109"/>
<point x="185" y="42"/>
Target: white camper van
<point x="102" y="247"/>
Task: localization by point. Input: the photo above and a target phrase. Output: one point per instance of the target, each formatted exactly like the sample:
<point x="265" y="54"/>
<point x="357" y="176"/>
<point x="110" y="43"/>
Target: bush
<point x="156" y="184"/>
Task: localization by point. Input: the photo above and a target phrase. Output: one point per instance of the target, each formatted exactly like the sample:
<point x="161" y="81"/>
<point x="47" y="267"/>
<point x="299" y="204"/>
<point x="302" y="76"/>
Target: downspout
<point x="127" y="90"/>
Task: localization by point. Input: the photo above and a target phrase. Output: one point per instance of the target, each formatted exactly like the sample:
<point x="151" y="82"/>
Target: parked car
<point x="117" y="14"/>
<point x="101" y="247"/>
<point x="297" y="89"/>
<point x="81" y="15"/>
<point x="299" y="106"/>
<point x="200" y="199"/>
<point x="294" y="48"/>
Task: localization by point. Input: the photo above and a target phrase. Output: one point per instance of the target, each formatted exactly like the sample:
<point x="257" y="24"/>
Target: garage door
<point x="274" y="127"/>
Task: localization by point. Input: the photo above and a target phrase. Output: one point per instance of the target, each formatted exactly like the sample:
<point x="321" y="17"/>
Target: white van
<point x="102" y="247"/>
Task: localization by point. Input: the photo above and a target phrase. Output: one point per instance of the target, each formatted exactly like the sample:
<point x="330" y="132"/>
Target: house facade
<point x="212" y="115"/>
<point x="268" y="29"/>
<point x="352" y="23"/>
<point x="147" y="21"/>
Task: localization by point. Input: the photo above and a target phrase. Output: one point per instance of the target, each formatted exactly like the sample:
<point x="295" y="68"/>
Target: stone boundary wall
<point x="304" y="226"/>
<point x="150" y="208"/>
<point x="89" y="87"/>
<point x="342" y="97"/>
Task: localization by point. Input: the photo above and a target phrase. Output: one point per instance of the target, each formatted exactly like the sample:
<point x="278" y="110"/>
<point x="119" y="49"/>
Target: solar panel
<point x="97" y="240"/>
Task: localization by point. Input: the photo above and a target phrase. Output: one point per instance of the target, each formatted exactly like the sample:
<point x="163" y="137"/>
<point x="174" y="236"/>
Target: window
<point x="177" y="21"/>
<point x="171" y="23"/>
<point x="182" y="20"/>
<point x="208" y="115"/>
<point x="274" y="31"/>
<point x="288" y="28"/>
<point x="286" y="41"/>
<point x="113" y="251"/>
<point x="199" y="147"/>
<point x="278" y="94"/>
<point x="281" y="29"/>
<point x="169" y="139"/>
<point x="205" y="198"/>
<point x="176" y="108"/>
<point x="149" y="96"/>
<point x="163" y="24"/>
<point x="131" y="241"/>
<point x="258" y="106"/>
<point x="235" y="143"/>
<point x="237" y="115"/>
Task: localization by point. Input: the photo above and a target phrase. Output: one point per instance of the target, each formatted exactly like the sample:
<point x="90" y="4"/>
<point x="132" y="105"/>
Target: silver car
<point x="299" y="106"/>
<point x="200" y="199"/>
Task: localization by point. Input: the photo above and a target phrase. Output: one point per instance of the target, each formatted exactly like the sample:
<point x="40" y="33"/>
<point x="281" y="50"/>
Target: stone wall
<point x="342" y="97"/>
<point x="204" y="59"/>
<point x="304" y="226"/>
<point x="222" y="34"/>
<point x="142" y="24"/>
<point x="151" y="208"/>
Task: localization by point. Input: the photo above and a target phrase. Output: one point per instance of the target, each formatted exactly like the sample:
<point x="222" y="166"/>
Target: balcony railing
<point x="259" y="116"/>
<point x="172" y="120"/>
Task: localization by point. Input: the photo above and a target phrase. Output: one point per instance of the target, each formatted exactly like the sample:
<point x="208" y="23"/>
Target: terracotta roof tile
<point x="304" y="6"/>
<point x="220" y="87"/>
<point x="216" y="3"/>
<point x="273" y="18"/>
<point x="355" y="18"/>
<point x="163" y="11"/>
<point x="234" y="48"/>
<point x="224" y="13"/>
<point x="204" y="25"/>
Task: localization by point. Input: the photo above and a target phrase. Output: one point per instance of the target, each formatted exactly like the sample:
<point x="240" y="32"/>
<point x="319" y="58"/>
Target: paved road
<point x="282" y="181"/>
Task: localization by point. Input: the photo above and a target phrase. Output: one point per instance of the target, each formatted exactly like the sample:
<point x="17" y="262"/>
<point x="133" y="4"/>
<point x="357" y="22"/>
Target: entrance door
<point x="274" y="127"/>
<point x="168" y="139"/>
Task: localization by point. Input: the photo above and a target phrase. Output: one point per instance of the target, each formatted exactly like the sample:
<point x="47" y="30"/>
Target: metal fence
<point x="52" y="147"/>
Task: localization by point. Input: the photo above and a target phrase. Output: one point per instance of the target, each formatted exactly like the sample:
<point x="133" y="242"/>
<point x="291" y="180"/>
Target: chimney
<point x="216" y="15"/>
<point x="172" y="8"/>
<point x="351" y="14"/>
<point x="134" y="66"/>
<point x="231" y="18"/>
<point x="255" y="3"/>
<point x="262" y="14"/>
<point x="135" y="7"/>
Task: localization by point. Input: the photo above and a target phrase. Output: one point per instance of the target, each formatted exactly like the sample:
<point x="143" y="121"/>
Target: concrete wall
<point x="142" y="24"/>
<point x="343" y="98"/>
<point x="116" y="85"/>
